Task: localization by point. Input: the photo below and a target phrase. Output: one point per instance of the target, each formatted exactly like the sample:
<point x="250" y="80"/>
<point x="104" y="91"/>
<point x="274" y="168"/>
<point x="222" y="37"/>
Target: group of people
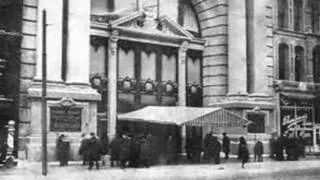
<point x="293" y="146"/>
<point x="211" y="148"/>
<point x="126" y="150"/>
<point x="143" y="150"/>
<point x="91" y="149"/>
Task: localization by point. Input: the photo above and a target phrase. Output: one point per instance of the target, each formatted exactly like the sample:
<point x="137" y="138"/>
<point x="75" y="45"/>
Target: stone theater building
<point x="259" y="59"/>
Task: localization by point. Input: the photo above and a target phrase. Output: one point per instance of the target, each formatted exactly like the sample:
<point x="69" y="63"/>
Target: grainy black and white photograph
<point x="159" y="89"/>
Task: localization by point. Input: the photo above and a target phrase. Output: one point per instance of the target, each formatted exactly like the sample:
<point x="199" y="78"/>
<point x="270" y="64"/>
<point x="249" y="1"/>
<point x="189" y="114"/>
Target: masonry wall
<point x="213" y="15"/>
<point x="28" y="66"/>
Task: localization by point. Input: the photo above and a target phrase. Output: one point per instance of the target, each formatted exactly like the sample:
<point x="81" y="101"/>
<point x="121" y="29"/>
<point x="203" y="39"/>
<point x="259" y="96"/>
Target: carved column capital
<point x="183" y="51"/>
<point x="113" y="40"/>
<point x="184" y="46"/>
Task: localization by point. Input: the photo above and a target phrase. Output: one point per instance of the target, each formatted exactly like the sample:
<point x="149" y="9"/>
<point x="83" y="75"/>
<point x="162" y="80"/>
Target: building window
<point x="5" y="15"/>
<point x="187" y="18"/>
<point x="298" y="15"/>
<point x="147" y="75"/>
<point x="194" y="80"/>
<point x="283" y="14"/>
<point x="284" y="62"/>
<point x="299" y="63"/>
<point x="293" y="107"/>
<point x="316" y="64"/>
<point x="315" y="13"/>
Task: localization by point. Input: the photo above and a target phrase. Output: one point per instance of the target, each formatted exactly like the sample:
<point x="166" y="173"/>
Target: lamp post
<point x="44" y="95"/>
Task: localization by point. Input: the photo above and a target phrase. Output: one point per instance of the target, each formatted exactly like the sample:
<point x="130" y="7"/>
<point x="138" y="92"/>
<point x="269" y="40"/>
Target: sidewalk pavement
<point x="226" y="170"/>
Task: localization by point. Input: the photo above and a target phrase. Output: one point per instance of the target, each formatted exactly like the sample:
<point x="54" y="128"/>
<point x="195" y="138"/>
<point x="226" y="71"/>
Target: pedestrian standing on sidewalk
<point x="83" y="150"/>
<point x="225" y="145"/>
<point x="258" y="151"/>
<point x="134" y="150"/>
<point x="301" y="144"/>
<point x="63" y="149"/>
<point x="104" y="141"/>
<point x="115" y="150"/>
<point x="124" y="154"/>
<point x="145" y="152"/>
<point x="243" y="153"/>
<point x="171" y="148"/>
<point x="216" y="150"/>
<point x="94" y="151"/>
<point x="272" y="147"/>
<point x="207" y="154"/>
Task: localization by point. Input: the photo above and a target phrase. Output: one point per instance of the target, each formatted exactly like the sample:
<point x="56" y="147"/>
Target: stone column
<point x="182" y="79"/>
<point x="54" y="39"/>
<point x="78" y="60"/>
<point x="237" y="48"/>
<point x="182" y="84"/>
<point x="112" y="83"/>
<point x="183" y="139"/>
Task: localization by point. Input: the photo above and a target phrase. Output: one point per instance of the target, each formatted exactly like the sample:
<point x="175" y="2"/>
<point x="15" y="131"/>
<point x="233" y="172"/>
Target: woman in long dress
<point x="243" y="153"/>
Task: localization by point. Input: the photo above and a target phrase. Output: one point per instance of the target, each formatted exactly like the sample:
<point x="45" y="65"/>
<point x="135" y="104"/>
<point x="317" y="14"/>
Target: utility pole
<point x="44" y="94"/>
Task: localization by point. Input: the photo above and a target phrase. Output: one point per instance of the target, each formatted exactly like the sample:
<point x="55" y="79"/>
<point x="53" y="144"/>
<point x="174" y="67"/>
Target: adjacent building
<point x="258" y="59"/>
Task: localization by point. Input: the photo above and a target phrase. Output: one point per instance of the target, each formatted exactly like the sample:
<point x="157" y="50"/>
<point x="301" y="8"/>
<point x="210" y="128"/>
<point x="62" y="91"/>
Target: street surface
<point x="305" y="169"/>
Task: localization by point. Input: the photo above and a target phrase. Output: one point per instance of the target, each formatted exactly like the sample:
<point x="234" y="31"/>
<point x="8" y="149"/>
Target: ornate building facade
<point x="258" y="59"/>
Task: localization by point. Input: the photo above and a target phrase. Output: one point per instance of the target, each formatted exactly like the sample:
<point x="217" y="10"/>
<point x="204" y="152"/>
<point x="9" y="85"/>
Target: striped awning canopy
<point x="190" y="116"/>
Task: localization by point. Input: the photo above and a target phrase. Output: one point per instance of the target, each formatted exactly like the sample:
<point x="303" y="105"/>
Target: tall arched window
<point x="316" y="64"/>
<point x="284" y="62"/>
<point x="299" y="63"/>
<point x="298" y="14"/>
<point x="283" y="14"/>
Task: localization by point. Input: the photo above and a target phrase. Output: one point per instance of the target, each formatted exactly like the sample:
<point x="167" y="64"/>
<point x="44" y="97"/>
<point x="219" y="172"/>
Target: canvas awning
<point x="191" y="116"/>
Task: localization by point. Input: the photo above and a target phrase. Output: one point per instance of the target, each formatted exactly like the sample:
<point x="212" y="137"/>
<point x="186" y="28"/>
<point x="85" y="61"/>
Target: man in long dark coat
<point x="134" y="151"/>
<point x="83" y="150"/>
<point x="63" y="149"/>
<point x="226" y="145"/>
<point x="104" y="141"/>
<point x="301" y="145"/>
<point x="94" y="151"/>
<point x="153" y="148"/>
<point x="216" y="149"/>
<point x="115" y="150"/>
<point x="196" y="148"/>
<point x="125" y="147"/>
<point x="207" y="155"/>
<point x="171" y="149"/>
<point x="258" y="151"/>
<point x="272" y="147"/>
<point x="145" y="153"/>
<point x="279" y="146"/>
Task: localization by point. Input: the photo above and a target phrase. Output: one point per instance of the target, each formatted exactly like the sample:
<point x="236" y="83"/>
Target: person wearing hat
<point x="63" y="149"/>
<point x="225" y="145"/>
<point x="94" y="151"/>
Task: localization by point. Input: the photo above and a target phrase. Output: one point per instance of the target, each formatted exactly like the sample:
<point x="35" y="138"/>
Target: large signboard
<point x="65" y="116"/>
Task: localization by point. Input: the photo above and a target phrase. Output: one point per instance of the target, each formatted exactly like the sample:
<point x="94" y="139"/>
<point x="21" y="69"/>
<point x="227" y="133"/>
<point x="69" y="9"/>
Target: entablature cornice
<point x="139" y="28"/>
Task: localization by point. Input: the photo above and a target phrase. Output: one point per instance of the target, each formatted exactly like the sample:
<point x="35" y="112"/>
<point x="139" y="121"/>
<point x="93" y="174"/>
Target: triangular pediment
<point x="139" y="21"/>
